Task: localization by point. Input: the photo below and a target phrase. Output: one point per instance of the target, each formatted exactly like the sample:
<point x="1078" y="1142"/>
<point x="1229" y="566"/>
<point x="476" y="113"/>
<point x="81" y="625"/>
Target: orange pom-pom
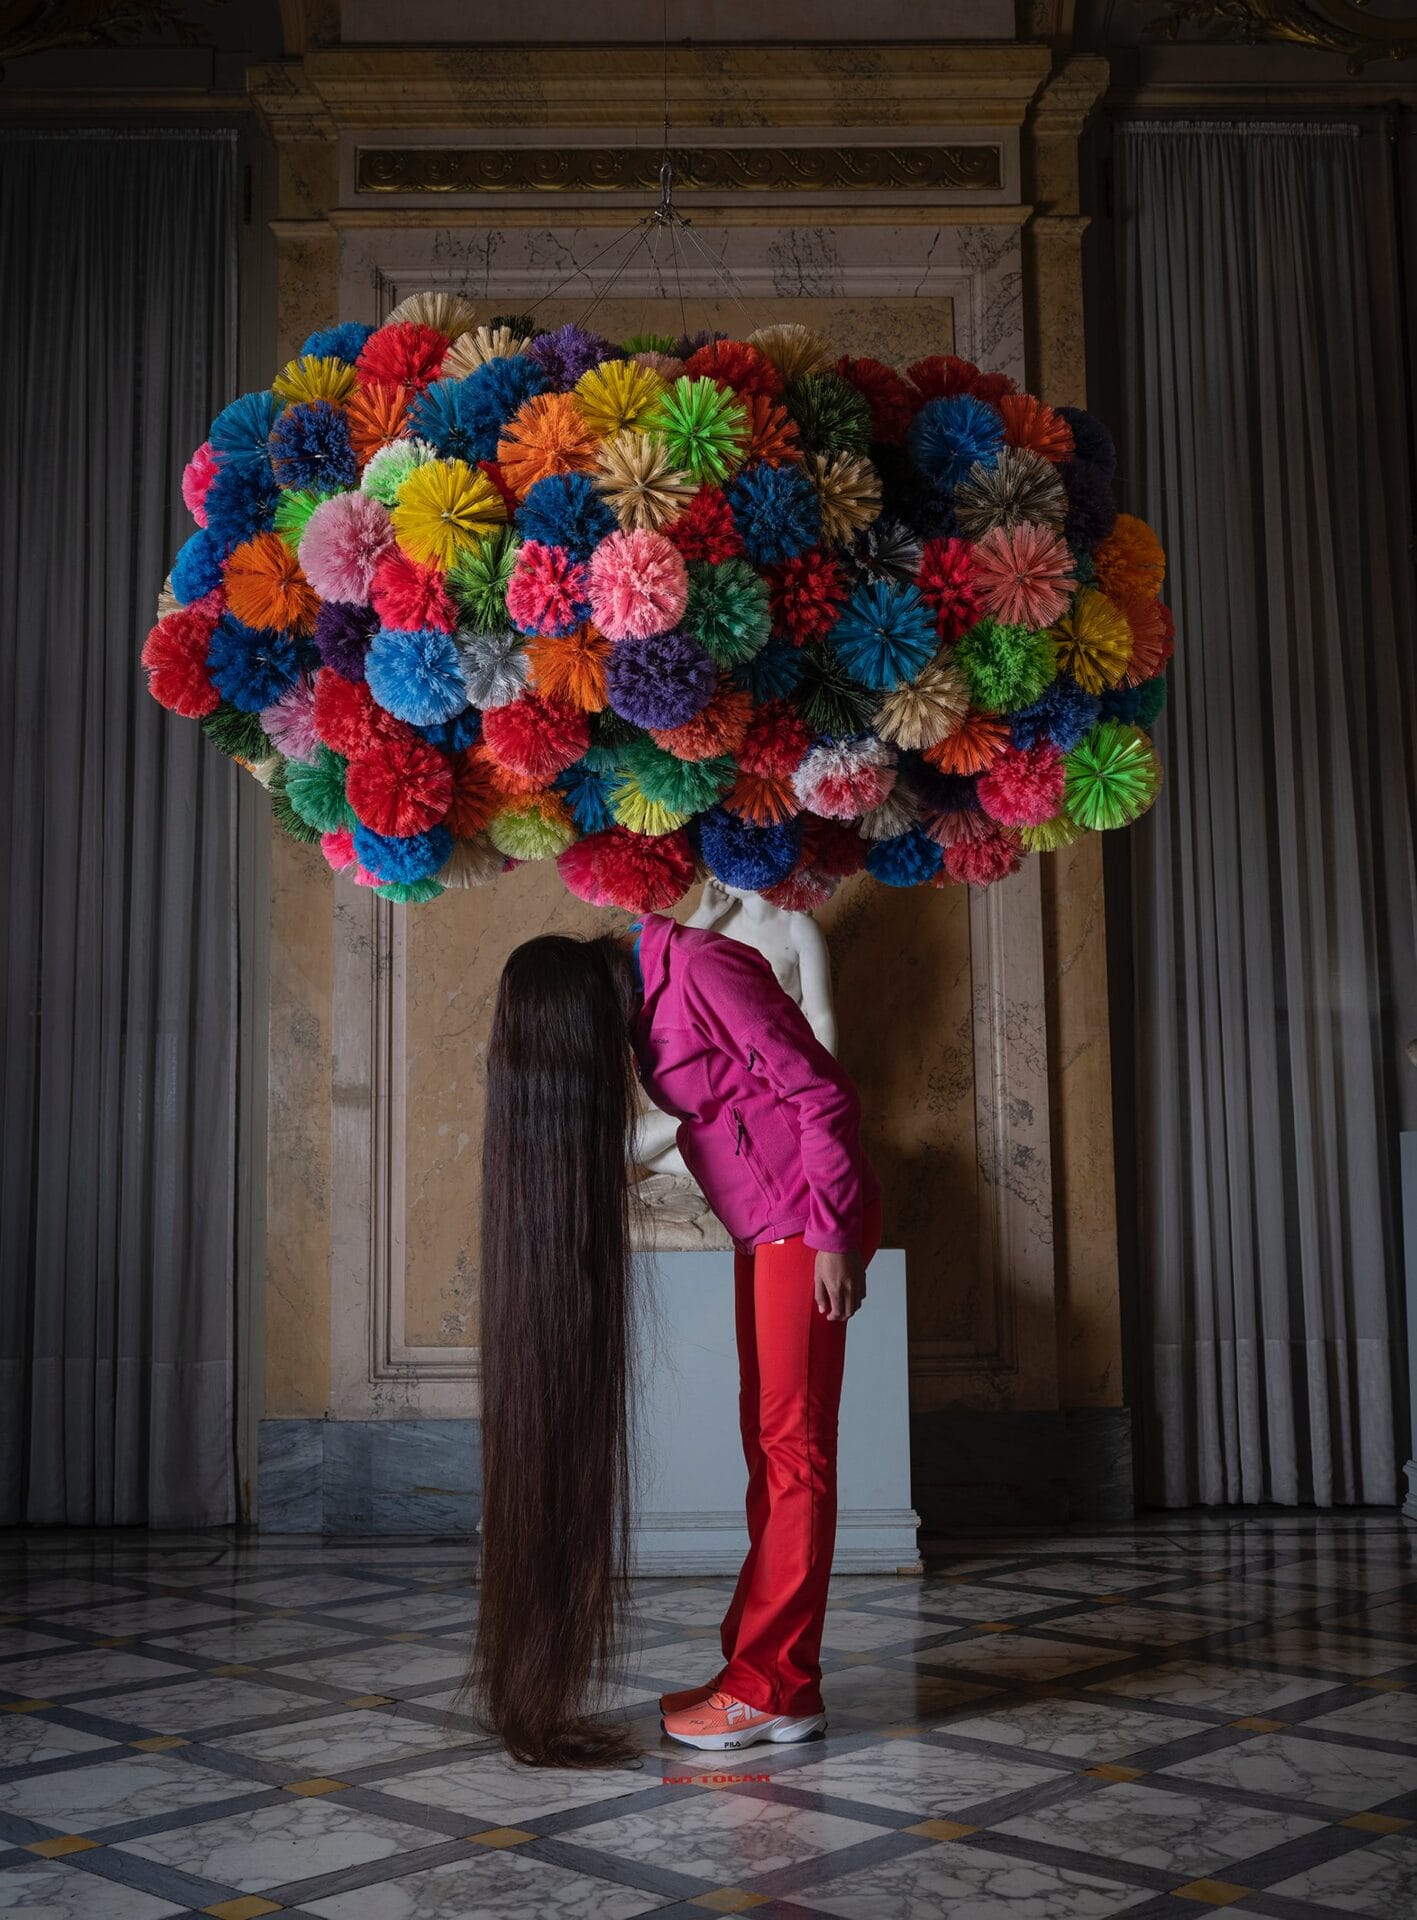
<point x="1130" y="562"/>
<point x="547" y="435"/>
<point x="502" y="779"/>
<point x="772" y="434"/>
<point x="265" y="587"/>
<point x="1030" y="422"/>
<point x="377" y="414"/>
<point x="766" y="799"/>
<point x="571" y="667"/>
<point x="975" y="744"/>
<point x="717" y="728"/>
<point x="474" y="794"/>
<point x="1153" y="640"/>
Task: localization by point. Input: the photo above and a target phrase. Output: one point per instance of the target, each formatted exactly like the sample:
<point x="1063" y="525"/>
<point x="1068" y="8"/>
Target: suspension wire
<point x="721" y="269"/>
<point x="678" y="275"/>
<point x="576" y="272"/>
<point x="655" y="286"/>
<point x="634" y="250"/>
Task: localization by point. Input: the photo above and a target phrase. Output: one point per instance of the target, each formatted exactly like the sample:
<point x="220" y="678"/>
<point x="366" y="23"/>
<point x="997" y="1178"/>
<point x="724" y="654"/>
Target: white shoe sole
<point x="782" y="1731"/>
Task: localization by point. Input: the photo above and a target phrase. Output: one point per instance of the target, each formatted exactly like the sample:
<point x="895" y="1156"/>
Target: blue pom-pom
<point x="251" y="667"/>
<point x="415" y="674"/>
<point x="772" y="673"/>
<point x="747" y="856"/>
<point x="241" y="501"/>
<point x="588" y="796"/>
<point x="948" y="436"/>
<point x="492" y="394"/>
<point x="437" y="416"/>
<point x="240" y="432"/>
<point x="393" y="857"/>
<point x="463" y="730"/>
<point x="197" y="568"/>
<point x="310" y="447"/>
<point x="776" y="511"/>
<point x="1091" y="440"/>
<point x="565" y="510"/>
<point x="1061" y="715"/>
<point x="885" y="635"/>
<point x="338" y="343"/>
<point x="905" y="860"/>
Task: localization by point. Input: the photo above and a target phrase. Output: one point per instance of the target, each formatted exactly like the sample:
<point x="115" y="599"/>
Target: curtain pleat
<point x="119" y="952"/>
<point x="1273" y="888"/>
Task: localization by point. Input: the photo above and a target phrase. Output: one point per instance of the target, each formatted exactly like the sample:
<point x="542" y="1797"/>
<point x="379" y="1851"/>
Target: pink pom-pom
<point x="1023" y="575"/>
<point x="344" y="540"/>
<point x="638" y="585"/>
<point x="840" y="779"/>
<point x="197" y="477"/>
<point x="407" y="594"/>
<point x="546" y="593"/>
<point x="578" y="866"/>
<point x="1024" y="786"/>
<point x="338" y="849"/>
<point x="290" y="723"/>
<point x="981" y="862"/>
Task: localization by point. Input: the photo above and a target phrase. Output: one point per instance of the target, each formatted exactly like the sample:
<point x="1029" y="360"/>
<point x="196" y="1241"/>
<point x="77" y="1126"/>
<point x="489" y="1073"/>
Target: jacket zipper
<point x="752" y="1056"/>
<point x="738" y="1143"/>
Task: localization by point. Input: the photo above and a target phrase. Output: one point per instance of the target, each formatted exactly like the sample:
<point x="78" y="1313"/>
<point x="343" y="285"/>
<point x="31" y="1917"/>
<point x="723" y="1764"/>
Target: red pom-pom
<point x="804" y="890"/>
<point x="475" y="795"/>
<point x="946" y="581"/>
<point x="941" y="376"/>
<point x="534" y="737"/>
<point x="399" y="786"/>
<point x="892" y="400"/>
<point x="832" y="847"/>
<point x="807" y="593"/>
<point x="579" y="868"/>
<point x="407" y="594"/>
<point x="705" y="529"/>
<point x="980" y="862"/>
<point x="643" y="872"/>
<point x="403" y="355"/>
<point x="1024" y="786"/>
<point x="348" y="717"/>
<point x="775" y="741"/>
<point x="736" y="364"/>
<point x="175" y="655"/>
<point x="547" y="590"/>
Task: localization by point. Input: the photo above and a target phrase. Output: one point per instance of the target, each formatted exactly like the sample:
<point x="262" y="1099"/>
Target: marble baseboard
<point x="1021" y="1469"/>
<point x="369" y="1476"/>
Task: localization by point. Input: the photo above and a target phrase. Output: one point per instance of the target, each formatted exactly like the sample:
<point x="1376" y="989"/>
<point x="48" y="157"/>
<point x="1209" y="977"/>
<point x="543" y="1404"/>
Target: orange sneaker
<point x="721" y="1722"/>
<point x="686" y="1697"/>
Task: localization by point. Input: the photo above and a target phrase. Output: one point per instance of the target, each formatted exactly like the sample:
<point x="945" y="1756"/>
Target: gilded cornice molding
<point x="810" y="169"/>
<point x="1328" y="26"/>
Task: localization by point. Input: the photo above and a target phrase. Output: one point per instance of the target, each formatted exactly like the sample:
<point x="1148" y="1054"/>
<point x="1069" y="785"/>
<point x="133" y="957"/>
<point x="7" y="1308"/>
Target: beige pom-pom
<point x="167" y="601"/>
<point x="447" y="313"/>
<point x="473" y="350"/>
<point x="1019" y="486"/>
<point x="849" y="490"/>
<point x="900" y="809"/>
<point x="472" y="863"/>
<point x="640" y="482"/>
<point x="264" y="770"/>
<point x="794" y="350"/>
<point x="926" y="710"/>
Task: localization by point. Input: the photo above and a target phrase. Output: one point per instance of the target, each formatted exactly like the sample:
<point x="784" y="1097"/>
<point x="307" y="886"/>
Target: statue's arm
<point x="814" y="974"/>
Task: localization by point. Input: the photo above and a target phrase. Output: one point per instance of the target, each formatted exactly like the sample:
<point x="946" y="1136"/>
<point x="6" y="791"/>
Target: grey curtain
<point x="117" y="862"/>
<point x="1273" y="894"/>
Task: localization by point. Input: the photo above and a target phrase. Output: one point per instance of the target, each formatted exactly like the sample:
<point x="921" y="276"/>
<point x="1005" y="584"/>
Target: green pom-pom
<point x="828" y="699"/>
<point x="478" y="581"/>
<point x="648" y="343"/>
<point x="1048" y="835"/>
<point x="1006" y="667"/>
<point x="684" y="786"/>
<point x="529" y="835"/>
<point x="410" y="893"/>
<point x="390" y="467"/>
<point x="1151" y="698"/>
<point x="284" y="814"/>
<point x="609" y="736"/>
<point x="521" y="324"/>
<point x="292" y="513"/>
<point x="728" y="610"/>
<point x="1110" y="777"/>
<point x="704" y="426"/>
<point x="831" y="415"/>
<point x="238" y="734"/>
<point x="315" y="789"/>
<point x="1084" y="569"/>
<point x="633" y="808"/>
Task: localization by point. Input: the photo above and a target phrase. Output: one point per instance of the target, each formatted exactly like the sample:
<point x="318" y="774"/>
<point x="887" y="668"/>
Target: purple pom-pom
<point x="662" y="681"/>
<point x="1092" y="511"/>
<point x="342" y="636"/>
<point x="571" y="351"/>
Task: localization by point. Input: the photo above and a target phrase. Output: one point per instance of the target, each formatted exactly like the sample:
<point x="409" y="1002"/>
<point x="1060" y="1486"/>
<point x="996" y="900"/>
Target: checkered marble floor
<point x="1186" y="1714"/>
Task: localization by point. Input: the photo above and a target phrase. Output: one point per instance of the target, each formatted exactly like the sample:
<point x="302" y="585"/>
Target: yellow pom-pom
<point x="633" y="808"/>
<point x="617" y="394"/>
<point x="532" y="826"/>
<point x="315" y="377"/>
<point x="444" y="507"/>
<point x="1094" y="641"/>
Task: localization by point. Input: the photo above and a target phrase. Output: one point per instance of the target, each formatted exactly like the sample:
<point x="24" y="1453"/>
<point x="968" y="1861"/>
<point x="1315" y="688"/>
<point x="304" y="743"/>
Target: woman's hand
<point x="840" y="1284"/>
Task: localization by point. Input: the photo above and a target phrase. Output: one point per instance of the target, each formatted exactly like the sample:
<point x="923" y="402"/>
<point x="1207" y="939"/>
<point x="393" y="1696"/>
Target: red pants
<point x="790" y="1359"/>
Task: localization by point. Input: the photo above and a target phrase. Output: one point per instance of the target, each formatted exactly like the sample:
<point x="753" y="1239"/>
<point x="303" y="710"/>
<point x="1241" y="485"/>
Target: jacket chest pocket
<point x="746" y="1152"/>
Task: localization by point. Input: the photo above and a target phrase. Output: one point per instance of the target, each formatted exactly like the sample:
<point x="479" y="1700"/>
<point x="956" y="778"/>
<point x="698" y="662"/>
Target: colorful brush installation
<point x="466" y="594"/>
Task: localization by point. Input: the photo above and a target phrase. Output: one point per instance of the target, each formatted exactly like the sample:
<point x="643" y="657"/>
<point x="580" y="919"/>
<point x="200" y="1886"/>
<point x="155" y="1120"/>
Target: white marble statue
<point x="793" y="946"/>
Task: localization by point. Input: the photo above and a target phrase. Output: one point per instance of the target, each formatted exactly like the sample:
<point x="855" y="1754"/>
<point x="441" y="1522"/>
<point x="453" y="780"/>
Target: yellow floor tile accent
<point x="1380" y="1685"/>
<point x="941" y="1829"/>
<point x="1215" y="1893"/>
<point x="1376" y="1823"/>
<point x="501" y="1837"/>
<point x="408" y="1636"/>
<point x="232" y="1673"/>
<point x="160" y="1743"/>
<point x="1110" y="1772"/>
<point x="368" y="1700"/>
<point x="729" y="1900"/>
<point x="26" y="1706"/>
<point x="911" y="1730"/>
<point x="997" y="1626"/>
<point x="312" y="1789"/>
<point x="249" y="1907"/>
<point x="1256" y="1723"/>
<point x="61" y="1844"/>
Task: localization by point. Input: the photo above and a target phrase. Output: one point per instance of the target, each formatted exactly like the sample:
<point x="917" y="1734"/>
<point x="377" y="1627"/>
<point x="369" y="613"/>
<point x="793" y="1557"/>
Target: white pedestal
<point x="692" y="1477"/>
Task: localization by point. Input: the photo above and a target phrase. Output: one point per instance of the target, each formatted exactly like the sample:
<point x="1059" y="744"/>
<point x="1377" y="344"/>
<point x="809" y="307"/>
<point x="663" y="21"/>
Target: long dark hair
<point x="556" y="1319"/>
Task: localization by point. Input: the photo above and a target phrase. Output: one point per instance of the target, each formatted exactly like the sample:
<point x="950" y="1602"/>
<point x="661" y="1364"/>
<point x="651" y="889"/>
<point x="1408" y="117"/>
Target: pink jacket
<point x="769" y="1123"/>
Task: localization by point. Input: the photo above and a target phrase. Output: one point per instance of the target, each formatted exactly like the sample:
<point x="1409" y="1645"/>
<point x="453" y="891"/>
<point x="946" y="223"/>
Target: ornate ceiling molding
<point x="1330" y="26"/>
<point x="503" y="170"/>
